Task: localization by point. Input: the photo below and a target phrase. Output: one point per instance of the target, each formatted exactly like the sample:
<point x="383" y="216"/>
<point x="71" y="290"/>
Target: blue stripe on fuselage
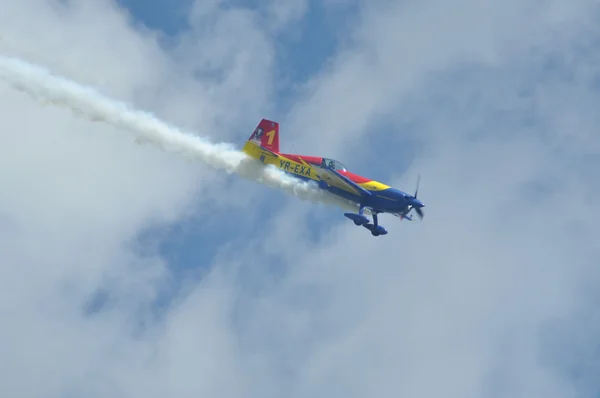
<point x="389" y="200"/>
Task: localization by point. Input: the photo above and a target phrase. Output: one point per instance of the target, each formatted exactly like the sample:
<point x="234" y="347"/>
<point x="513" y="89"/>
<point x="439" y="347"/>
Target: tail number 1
<point x="271" y="135"/>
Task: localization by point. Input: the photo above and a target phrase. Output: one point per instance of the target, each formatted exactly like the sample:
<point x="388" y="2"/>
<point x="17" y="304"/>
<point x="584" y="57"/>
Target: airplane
<point x="332" y="176"/>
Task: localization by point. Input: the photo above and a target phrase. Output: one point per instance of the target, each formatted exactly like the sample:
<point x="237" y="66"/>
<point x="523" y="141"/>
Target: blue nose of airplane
<point x="396" y="194"/>
<point x="404" y="197"/>
<point x="416" y="203"/>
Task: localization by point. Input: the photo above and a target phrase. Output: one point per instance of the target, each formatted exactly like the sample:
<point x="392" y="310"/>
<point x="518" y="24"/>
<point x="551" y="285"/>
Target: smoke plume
<point x="47" y="88"/>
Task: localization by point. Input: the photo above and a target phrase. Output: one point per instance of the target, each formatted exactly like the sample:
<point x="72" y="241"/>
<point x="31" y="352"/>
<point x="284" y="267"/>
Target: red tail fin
<point x="266" y="135"/>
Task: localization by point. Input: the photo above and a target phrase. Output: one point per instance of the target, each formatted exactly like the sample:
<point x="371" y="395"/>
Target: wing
<point x="338" y="180"/>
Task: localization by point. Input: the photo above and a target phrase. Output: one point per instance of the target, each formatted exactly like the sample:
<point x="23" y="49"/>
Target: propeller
<point x="413" y="203"/>
<point x="419" y="212"/>
<point x="418" y="207"/>
<point x="417" y="189"/>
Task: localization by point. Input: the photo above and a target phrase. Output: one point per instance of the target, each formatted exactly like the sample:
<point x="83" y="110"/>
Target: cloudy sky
<point x="129" y="272"/>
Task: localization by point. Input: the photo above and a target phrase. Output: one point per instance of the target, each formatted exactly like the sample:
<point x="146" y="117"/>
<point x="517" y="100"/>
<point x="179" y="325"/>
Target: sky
<point x="131" y="272"/>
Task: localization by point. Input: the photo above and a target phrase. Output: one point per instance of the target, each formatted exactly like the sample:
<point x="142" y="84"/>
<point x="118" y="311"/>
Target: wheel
<point x="357" y="222"/>
<point x="375" y="233"/>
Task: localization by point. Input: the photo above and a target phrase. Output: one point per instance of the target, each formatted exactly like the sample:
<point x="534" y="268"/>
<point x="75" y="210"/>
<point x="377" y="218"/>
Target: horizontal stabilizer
<point x="267" y="152"/>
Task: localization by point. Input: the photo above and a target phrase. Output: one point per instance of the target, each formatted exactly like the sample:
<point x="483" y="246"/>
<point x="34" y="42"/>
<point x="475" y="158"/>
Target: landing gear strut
<point x="361" y="219"/>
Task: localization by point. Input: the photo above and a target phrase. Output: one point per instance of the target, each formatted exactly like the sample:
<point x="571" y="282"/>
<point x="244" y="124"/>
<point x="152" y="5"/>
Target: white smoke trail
<point x="84" y="101"/>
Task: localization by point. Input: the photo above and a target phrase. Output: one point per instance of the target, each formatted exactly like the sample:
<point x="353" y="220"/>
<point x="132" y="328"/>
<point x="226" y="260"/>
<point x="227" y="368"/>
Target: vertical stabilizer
<point x="266" y="135"/>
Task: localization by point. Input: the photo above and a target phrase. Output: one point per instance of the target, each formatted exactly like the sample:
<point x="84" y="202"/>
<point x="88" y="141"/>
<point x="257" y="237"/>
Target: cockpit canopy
<point x="333" y="164"/>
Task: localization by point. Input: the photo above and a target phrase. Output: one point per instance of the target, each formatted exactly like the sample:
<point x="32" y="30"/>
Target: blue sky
<point x="170" y="18"/>
<point x="302" y="49"/>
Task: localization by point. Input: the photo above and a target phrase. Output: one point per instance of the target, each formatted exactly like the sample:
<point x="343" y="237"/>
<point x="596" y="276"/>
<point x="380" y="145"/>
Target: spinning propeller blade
<point x="413" y="203"/>
<point x="417" y="189"/>
<point x="419" y="212"/>
<point x="418" y="208"/>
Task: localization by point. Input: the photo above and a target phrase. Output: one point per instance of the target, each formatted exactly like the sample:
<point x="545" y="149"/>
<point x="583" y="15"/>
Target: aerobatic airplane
<point x="331" y="175"/>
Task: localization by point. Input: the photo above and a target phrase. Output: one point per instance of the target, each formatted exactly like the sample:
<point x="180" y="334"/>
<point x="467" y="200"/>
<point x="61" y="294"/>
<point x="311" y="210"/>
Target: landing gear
<point x="375" y="229"/>
<point x="361" y="219"/>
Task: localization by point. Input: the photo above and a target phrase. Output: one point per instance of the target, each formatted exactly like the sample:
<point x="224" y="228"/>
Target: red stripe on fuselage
<point x="317" y="161"/>
<point x="355" y="177"/>
<point x="300" y="158"/>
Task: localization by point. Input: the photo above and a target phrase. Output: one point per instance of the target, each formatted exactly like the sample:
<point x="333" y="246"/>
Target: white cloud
<point x="225" y="46"/>
<point x="396" y="47"/>
<point x="463" y="304"/>
<point x="466" y="303"/>
<point x="281" y="14"/>
<point x="76" y="194"/>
